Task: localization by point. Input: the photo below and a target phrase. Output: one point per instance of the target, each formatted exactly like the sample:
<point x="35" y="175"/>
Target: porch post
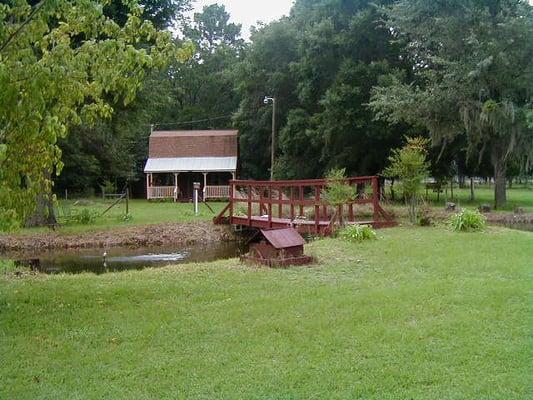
<point x="147" y="186"/>
<point x="176" y="186"/>
<point x="233" y="174"/>
<point x="205" y="184"/>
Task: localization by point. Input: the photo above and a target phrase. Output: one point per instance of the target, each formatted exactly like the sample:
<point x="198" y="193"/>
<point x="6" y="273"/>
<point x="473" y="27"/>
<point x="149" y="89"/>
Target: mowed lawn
<point x="420" y="313"/>
<point x="142" y="212"/>
<point x="517" y="196"/>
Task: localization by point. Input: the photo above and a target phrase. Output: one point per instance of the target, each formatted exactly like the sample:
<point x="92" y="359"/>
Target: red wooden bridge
<point x="300" y="204"/>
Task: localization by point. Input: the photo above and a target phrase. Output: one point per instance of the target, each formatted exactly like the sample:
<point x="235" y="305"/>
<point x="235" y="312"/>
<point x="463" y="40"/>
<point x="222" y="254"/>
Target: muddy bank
<point x="133" y="237"/>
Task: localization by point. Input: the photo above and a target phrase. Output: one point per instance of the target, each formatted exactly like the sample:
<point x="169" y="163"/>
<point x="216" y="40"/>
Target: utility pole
<point x="267" y="100"/>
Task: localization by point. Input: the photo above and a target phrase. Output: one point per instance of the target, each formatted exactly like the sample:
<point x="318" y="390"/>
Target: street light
<point x="267" y="100"/>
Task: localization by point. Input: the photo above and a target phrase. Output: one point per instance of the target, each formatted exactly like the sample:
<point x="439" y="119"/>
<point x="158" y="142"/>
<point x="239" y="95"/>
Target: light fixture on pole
<point x="267" y="100"/>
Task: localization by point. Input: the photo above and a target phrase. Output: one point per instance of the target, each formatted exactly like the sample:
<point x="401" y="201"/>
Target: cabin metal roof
<point x="283" y="238"/>
<point x="191" y="164"/>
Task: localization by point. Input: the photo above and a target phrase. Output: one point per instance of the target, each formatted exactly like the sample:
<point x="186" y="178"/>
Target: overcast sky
<point x="248" y="12"/>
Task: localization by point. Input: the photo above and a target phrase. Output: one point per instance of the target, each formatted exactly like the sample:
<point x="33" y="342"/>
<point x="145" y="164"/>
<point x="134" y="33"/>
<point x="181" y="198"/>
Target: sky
<point x="248" y="12"/>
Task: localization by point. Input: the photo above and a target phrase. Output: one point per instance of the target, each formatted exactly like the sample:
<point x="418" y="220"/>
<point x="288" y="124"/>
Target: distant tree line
<point x="351" y="79"/>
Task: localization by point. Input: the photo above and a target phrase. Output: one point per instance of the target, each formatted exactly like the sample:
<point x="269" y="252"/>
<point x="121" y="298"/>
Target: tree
<point x="62" y="63"/>
<point x="473" y="76"/>
<point x="410" y="166"/>
<point x="321" y="64"/>
<point x="162" y="13"/>
<point x="338" y="191"/>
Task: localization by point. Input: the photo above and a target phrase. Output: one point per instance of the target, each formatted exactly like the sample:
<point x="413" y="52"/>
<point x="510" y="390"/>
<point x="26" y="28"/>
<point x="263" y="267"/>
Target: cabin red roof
<point x="206" y="143"/>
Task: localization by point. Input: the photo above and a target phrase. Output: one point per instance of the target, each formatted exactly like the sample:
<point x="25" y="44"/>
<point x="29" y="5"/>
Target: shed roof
<point x="191" y="164"/>
<point x="223" y="132"/>
<point x="283" y="238"/>
<point x="193" y="144"/>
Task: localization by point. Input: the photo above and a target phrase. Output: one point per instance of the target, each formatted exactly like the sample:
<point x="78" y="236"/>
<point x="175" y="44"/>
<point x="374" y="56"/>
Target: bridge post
<point x="231" y="198"/>
<point x="375" y="197"/>
<point x="270" y="206"/>
<point x="317" y="209"/>
<point x="249" y="205"/>
<point x="292" y="203"/>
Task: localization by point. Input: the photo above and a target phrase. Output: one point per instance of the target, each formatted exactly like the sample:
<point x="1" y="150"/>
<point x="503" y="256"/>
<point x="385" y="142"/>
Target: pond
<point x="121" y="259"/>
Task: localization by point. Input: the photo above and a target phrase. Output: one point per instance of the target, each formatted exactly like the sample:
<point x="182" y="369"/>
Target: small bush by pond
<point x="357" y="233"/>
<point x="468" y="221"/>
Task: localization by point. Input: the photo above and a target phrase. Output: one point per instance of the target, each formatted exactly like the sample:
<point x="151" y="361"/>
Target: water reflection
<point x="121" y="259"/>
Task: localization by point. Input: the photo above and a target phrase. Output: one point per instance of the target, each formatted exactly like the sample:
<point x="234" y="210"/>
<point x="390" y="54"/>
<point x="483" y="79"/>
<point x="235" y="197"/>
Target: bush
<point x="85" y="217"/>
<point x="125" y="217"/>
<point x="357" y="233"/>
<point x="468" y="221"/>
<point x="425" y="218"/>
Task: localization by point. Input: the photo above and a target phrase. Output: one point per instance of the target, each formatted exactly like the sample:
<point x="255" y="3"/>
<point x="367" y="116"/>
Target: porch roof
<point x="191" y="164"/>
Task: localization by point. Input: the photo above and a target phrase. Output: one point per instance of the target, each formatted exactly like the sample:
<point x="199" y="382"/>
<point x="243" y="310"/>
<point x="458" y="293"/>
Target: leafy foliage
<point x="337" y="190"/>
<point x="63" y="63"/>
<point x="357" y="233"/>
<point x="473" y="75"/>
<point x="409" y="164"/>
<point x="468" y="221"/>
<point x="321" y="65"/>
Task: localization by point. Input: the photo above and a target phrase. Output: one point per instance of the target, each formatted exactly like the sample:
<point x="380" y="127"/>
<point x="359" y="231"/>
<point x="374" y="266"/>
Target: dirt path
<point x="133" y="236"/>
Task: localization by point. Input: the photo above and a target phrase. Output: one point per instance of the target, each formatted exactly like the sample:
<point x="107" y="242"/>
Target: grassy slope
<point x="418" y="314"/>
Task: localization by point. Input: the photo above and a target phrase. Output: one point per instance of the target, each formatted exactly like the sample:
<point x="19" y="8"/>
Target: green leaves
<point x="410" y="166"/>
<point x="357" y="233"/>
<point x="473" y="75"/>
<point x="68" y="63"/>
<point x="468" y="221"/>
<point x="337" y="191"/>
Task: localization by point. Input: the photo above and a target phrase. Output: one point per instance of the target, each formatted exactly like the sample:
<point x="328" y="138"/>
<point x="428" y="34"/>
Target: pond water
<point x="121" y="259"/>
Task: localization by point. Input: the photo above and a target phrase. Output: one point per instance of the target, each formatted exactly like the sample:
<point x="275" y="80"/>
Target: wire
<point x="194" y="121"/>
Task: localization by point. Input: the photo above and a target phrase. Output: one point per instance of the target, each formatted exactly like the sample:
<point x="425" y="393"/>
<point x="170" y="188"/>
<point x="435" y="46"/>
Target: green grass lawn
<point x="142" y="212"/>
<point x="518" y="196"/>
<point x="420" y="313"/>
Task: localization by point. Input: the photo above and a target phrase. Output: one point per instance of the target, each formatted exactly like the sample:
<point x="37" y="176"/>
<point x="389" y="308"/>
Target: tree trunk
<point x="462" y="180"/>
<point x="411" y="201"/>
<point x="44" y="214"/>
<point x="392" y="189"/>
<point x="472" y="195"/>
<point x="500" y="195"/>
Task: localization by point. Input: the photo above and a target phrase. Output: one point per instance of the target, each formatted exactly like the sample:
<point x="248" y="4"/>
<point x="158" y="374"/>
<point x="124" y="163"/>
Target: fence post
<point x="127" y="200"/>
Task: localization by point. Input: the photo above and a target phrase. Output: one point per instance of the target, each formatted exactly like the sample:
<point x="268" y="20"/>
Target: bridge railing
<point x="298" y="200"/>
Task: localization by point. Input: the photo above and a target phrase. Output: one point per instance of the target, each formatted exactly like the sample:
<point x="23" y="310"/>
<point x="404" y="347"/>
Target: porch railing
<point x="161" y="192"/>
<point x="216" y="192"/>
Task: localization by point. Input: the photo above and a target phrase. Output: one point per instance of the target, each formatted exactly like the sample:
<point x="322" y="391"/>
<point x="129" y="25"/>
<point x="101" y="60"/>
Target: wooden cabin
<point x="177" y="159"/>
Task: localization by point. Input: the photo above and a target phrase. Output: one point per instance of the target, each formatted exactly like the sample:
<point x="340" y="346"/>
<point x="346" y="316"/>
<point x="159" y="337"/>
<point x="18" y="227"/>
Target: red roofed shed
<point x="179" y="158"/>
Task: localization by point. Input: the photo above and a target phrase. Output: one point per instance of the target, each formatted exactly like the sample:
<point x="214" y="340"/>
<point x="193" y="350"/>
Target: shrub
<point x="425" y="218"/>
<point x="125" y="217"/>
<point x="468" y="221"/>
<point x="86" y="216"/>
<point x="357" y="233"/>
<point x="337" y="191"/>
<point x="411" y="166"/>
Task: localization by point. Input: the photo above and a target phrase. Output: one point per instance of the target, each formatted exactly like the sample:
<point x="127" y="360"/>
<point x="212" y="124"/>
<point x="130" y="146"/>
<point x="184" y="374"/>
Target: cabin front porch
<point x="179" y="185"/>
